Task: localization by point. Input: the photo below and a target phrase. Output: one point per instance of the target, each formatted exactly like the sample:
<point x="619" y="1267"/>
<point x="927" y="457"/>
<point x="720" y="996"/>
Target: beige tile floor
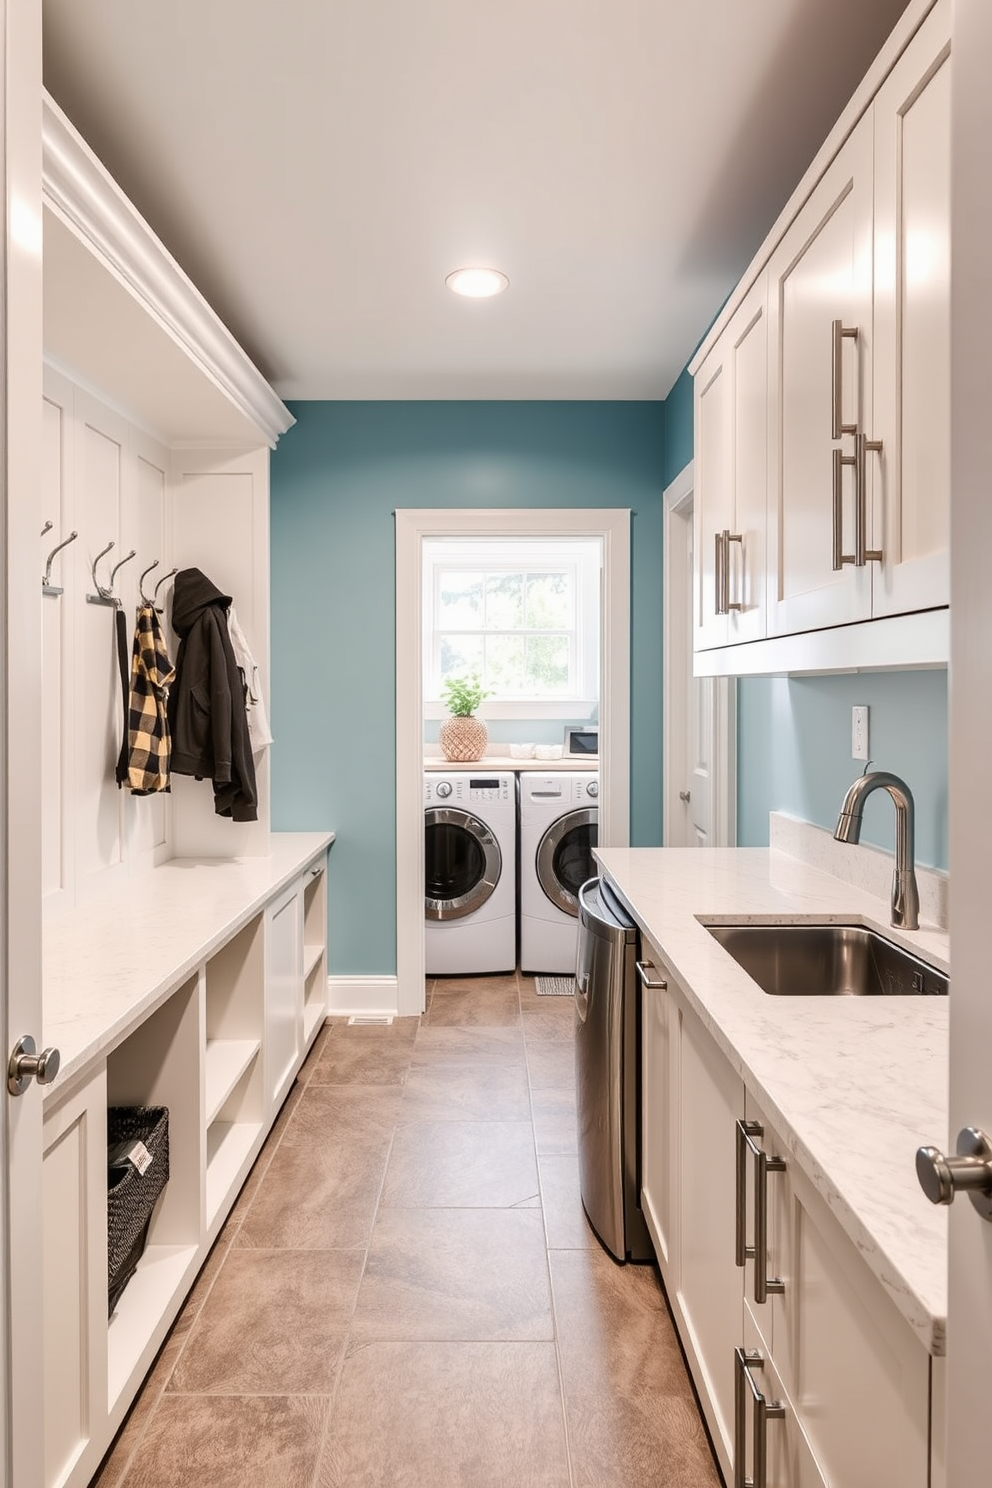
<point x="406" y="1293"/>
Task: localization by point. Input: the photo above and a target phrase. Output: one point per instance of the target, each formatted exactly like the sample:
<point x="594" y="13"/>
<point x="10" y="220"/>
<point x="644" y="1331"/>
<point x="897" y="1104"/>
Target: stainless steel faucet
<point x="905" y="894"/>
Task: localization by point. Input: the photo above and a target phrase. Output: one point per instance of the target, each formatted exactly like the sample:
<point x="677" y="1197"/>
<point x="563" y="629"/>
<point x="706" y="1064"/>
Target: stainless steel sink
<point x="827" y="961"/>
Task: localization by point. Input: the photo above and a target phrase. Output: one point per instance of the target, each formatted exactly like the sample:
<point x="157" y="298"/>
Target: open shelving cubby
<point x="314" y="949"/>
<point x="233" y="1028"/>
<point x="158" y="1065"/>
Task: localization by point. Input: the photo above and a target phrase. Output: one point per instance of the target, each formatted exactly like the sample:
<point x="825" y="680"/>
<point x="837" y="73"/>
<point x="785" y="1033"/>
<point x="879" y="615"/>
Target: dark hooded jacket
<point x="207" y="715"/>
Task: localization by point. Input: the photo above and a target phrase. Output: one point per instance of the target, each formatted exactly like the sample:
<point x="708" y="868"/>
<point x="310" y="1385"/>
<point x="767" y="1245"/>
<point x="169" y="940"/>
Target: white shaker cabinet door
<point x="729" y="501"/>
<point x="821" y="273"/>
<point x="707" y="1297"/>
<point x="912" y="362"/>
<point x="658" y="1113"/>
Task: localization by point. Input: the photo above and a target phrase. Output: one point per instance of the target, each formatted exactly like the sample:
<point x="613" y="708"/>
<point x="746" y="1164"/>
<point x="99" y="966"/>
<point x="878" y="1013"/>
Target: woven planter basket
<point x="463" y="738"/>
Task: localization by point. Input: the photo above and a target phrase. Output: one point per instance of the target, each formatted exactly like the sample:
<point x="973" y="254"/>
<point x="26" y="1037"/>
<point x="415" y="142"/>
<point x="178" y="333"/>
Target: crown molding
<point x="77" y="186"/>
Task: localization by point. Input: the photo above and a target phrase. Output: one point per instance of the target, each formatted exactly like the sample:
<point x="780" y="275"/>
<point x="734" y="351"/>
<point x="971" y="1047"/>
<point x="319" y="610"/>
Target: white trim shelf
<point x="229" y="1144"/>
<point x="226" y="1062"/>
<point x="312" y="957"/>
<point x="160" y="1278"/>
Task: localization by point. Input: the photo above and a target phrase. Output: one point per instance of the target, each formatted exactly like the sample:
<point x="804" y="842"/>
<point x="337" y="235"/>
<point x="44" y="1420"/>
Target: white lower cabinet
<point x="220" y="1051"/>
<point x="854" y="1372"/>
<point x="773" y="1302"/>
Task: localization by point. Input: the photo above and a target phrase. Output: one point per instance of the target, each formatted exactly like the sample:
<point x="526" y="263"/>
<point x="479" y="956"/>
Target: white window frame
<point x="583" y="556"/>
<point x="612" y="524"/>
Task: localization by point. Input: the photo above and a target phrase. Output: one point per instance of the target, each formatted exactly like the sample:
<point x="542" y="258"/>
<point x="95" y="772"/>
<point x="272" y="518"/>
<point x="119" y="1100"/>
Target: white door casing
<point x="21" y="1434"/>
<point x="612" y="525"/>
<point x="969" y="1360"/>
<point x="699" y="749"/>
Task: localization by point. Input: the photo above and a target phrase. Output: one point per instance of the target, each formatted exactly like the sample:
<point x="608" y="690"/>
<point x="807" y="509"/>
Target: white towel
<point x="258" y="723"/>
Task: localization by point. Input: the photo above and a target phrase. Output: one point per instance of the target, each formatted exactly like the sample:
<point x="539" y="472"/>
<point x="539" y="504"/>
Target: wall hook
<point x="163" y="580"/>
<point x="141" y="583"/>
<point x="103" y="595"/>
<point x="113" y="572"/>
<point x="47" y="528"/>
<point x="47" y="587"/>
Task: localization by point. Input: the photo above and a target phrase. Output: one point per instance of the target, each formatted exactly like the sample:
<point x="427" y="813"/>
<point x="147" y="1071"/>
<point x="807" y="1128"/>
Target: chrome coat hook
<point x="47" y="587"/>
<point x="107" y="596"/>
<point x="47" y="528"/>
<point x="141" y="583"/>
<point x="164" y="580"/>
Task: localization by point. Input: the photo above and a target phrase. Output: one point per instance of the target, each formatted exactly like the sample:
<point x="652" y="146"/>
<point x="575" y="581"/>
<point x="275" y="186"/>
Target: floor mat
<point x="558" y="986"/>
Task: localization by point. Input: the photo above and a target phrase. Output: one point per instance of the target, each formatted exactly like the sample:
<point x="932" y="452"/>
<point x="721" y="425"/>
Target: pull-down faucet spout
<point x="905" y="894"/>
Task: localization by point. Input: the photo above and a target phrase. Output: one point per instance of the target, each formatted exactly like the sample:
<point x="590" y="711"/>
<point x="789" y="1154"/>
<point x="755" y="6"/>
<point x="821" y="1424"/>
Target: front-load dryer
<point x="470" y="826"/>
<point x="559" y="820"/>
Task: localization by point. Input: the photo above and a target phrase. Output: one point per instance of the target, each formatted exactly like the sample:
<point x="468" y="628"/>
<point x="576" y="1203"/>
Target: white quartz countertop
<point x="853" y="1085"/>
<point x="111" y="962"/>
<point x="504" y="762"/>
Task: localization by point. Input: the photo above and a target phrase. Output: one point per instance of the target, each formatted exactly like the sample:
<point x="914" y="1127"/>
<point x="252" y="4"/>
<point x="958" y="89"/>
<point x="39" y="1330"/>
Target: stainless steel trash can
<point x="607" y="1072"/>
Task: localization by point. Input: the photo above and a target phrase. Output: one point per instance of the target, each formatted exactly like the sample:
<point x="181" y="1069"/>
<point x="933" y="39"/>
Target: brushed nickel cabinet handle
<point x="649" y="983"/>
<point x="764" y="1411"/>
<point x="839" y="332"/>
<point x="839" y="462"/>
<point x="764" y="1285"/>
<point x="718" y="566"/>
<point x="735" y="537"/>
<point x="862" y="553"/>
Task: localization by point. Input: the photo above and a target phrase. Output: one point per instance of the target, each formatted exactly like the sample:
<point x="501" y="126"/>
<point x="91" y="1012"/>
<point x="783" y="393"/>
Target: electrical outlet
<point x="859" y="733"/>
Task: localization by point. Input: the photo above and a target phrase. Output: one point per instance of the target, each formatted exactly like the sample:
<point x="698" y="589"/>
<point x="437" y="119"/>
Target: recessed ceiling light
<point x="477" y="284"/>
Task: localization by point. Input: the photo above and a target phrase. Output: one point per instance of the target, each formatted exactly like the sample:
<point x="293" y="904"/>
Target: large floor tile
<point x="205" y="1441"/>
<point x="461" y="1044"/>
<point x="292" y="1339"/>
<point x="321" y="1195"/>
<point x="565" y="1221"/>
<point x="466" y="1092"/>
<point x="551" y="1065"/>
<point x="555" y="1022"/>
<point x="450" y="1274"/>
<point x="461" y="1164"/>
<point x="447" y="1415"/>
<point x="629" y="1406"/>
<point x="346" y="1061"/>
<point x="479" y="1002"/>
<point x="555" y="1126"/>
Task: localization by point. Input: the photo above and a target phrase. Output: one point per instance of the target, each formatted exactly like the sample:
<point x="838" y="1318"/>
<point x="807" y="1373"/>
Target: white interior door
<point x="21" y="1433"/>
<point x="969" y="1362"/>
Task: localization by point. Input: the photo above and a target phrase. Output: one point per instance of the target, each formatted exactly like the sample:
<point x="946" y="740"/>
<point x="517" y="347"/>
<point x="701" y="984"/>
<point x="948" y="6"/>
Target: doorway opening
<point x="414" y="528"/>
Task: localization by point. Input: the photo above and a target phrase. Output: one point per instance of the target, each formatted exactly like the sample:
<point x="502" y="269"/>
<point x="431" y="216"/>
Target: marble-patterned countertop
<point x="852" y="1085"/>
<point x="112" y="961"/>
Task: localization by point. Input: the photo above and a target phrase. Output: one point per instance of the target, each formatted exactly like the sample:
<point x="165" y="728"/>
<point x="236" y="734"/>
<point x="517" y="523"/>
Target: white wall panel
<point x="149" y="815"/>
<point x="56" y="507"/>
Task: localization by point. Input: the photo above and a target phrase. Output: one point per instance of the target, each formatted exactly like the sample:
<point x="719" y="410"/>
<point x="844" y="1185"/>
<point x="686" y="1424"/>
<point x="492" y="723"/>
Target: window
<point x="523" y="616"/>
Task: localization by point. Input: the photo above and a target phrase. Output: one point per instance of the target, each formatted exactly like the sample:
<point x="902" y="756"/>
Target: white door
<point x="970" y="1305"/>
<point x="20" y="776"/>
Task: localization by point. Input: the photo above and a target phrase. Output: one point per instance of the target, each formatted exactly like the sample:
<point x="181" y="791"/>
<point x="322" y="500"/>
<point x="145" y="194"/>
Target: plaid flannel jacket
<point x="149" y="741"/>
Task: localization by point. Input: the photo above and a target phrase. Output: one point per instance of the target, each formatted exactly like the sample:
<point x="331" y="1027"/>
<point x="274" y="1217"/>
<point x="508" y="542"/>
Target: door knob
<point x="26" y="1064"/>
<point x="970" y="1172"/>
<point x="685" y="796"/>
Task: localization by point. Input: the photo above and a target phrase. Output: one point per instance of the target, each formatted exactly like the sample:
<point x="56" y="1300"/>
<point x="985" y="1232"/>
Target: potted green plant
<point x="463" y="736"/>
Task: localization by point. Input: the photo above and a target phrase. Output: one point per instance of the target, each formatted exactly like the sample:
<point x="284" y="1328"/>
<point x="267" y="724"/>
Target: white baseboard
<point x="364" y="994"/>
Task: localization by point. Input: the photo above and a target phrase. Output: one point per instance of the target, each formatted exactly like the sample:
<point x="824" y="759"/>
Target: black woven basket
<point x="131" y="1195"/>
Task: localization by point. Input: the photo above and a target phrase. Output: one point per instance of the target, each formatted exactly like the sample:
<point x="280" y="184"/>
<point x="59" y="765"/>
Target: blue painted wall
<point x="337" y="477"/>
<point x="794" y="752"/>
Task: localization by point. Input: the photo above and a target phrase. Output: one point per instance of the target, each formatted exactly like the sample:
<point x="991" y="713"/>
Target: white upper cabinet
<point x="847" y="437"/>
<point x="731" y="402"/>
<point x="912" y="353"/>
<point x="820" y="277"/>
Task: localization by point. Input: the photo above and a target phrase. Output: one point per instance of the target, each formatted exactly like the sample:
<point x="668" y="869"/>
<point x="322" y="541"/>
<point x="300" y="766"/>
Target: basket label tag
<point x="135" y="1153"/>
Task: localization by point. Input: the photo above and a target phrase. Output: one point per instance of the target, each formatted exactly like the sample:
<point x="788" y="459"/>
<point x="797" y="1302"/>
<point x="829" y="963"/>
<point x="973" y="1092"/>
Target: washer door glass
<point x="462" y="863"/>
<point x="564" y="857"/>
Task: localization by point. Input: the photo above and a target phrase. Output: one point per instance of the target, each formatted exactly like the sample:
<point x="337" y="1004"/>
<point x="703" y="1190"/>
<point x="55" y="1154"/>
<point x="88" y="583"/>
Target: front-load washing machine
<point x="470" y="830"/>
<point x="559" y="818"/>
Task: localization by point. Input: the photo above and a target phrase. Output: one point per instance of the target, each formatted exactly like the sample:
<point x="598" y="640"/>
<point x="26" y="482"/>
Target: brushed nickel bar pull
<point x="862" y="553"/>
<point x="745" y="1131"/>
<point x="764" y="1285"/>
<point x="735" y="537"/>
<point x="764" y="1411"/>
<point x="839" y="556"/>
<point x="838" y="333"/>
<point x="718" y="574"/>
<point x="650" y="983"/>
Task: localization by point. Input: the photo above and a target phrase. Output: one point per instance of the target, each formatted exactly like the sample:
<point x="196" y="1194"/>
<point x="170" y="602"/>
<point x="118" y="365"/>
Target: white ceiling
<point x="318" y="166"/>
